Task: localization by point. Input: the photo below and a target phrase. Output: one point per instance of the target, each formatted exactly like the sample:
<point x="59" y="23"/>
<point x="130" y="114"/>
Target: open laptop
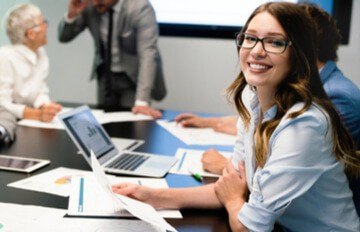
<point x="88" y="134"/>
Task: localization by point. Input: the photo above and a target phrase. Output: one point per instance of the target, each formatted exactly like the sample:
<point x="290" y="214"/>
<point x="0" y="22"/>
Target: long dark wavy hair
<point x="302" y="84"/>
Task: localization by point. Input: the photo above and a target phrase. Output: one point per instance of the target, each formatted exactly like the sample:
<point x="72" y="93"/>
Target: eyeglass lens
<point x="269" y="44"/>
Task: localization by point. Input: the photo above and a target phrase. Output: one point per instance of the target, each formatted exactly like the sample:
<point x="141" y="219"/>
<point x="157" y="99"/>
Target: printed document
<point x="122" y="117"/>
<point x="55" y="123"/>
<point x="86" y="192"/>
<point x="100" y="115"/>
<point x="189" y="161"/>
<point x="197" y="136"/>
<point x="15" y="217"/>
<point x="139" y="209"/>
<point x="56" y="181"/>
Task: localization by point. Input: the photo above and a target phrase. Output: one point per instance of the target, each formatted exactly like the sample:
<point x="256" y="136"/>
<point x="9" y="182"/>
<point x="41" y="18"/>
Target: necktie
<point x="108" y="98"/>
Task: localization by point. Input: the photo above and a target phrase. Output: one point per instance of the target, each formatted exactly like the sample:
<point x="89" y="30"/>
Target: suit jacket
<point x="137" y="33"/>
<point x="8" y="121"/>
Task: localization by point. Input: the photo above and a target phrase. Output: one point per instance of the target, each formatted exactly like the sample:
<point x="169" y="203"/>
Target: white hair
<point x="19" y="19"/>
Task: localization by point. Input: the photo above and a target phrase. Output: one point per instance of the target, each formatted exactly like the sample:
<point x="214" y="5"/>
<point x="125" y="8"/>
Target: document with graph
<point x="86" y="192"/>
<point x="190" y="162"/>
<point x="138" y="209"/>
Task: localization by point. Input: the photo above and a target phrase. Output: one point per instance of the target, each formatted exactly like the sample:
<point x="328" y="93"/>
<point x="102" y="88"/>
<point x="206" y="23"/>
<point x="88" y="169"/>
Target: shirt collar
<point x="255" y="107"/>
<point x="326" y="70"/>
<point x="29" y="54"/>
<point x="117" y="6"/>
<point x="270" y="113"/>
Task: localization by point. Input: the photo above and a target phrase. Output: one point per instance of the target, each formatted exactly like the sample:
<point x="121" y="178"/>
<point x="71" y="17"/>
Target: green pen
<point x="196" y="176"/>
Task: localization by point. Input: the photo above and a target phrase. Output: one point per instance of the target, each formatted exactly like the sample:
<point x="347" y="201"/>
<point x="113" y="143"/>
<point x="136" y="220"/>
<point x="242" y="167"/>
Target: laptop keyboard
<point x="128" y="161"/>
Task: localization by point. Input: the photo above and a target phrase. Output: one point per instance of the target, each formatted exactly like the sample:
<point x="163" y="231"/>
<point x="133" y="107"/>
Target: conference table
<point x="56" y="146"/>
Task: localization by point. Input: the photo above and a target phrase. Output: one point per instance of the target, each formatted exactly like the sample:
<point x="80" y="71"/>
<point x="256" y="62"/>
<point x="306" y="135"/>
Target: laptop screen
<point x="88" y="133"/>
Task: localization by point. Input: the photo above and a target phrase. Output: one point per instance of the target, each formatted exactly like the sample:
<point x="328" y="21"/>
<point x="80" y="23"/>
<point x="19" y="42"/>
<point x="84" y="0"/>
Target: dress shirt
<point x="22" y="78"/>
<point x="104" y="22"/>
<point x="302" y="186"/>
<point x="345" y="96"/>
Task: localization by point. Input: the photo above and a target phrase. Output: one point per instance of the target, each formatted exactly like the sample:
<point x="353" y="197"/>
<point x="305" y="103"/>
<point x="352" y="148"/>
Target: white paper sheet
<point x="122" y="117"/>
<point x="190" y="161"/>
<point x="15" y="217"/>
<point x="55" y="123"/>
<point x="92" y="192"/>
<point x="197" y="136"/>
<point x="139" y="209"/>
<point x="126" y="144"/>
<point x="56" y="181"/>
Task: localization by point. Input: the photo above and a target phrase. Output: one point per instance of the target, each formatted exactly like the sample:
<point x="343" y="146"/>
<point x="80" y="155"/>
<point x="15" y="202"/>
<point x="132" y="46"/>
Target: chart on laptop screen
<point x="89" y="134"/>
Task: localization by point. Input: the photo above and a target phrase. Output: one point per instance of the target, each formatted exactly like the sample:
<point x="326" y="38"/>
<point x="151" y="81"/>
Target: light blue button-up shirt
<point x="345" y="96"/>
<point x="301" y="186"/>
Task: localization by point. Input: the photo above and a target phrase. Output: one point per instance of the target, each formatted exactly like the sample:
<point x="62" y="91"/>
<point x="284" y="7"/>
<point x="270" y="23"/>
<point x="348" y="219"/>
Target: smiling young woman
<point x="292" y="150"/>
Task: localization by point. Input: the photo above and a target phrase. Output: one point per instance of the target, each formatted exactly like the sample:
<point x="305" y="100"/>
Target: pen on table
<point x="81" y="195"/>
<point x="196" y="176"/>
<point x="181" y="161"/>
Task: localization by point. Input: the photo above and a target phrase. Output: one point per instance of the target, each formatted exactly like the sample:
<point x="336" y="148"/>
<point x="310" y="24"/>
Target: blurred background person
<point x="24" y="66"/>
<point x="127" y="62"/>
<point x="342" y="92"/>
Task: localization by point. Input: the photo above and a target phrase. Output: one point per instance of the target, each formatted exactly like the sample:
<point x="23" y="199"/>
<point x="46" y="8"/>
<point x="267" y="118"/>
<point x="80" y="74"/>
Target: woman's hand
<point x="190" y="120"/>
<point x="231" y="187"/>
<point x="213" y="161"/>
<point x="231" y="190"/>
<point x="137" y="192"/>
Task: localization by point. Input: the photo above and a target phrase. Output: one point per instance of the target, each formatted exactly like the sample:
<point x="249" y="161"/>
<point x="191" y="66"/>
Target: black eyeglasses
<point x="273" y="44"/>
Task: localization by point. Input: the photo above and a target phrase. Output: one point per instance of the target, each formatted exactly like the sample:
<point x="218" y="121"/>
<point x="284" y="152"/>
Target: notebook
<point x="88" y="134"/>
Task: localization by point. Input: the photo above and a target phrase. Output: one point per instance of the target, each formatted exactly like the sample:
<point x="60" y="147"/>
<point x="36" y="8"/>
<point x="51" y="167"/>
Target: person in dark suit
<point x="7" y="126"/>
<point x="128" y="68"/>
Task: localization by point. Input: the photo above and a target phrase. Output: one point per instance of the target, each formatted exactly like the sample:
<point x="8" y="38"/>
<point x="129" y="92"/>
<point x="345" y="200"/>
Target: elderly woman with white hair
<point x="24" y="66"/>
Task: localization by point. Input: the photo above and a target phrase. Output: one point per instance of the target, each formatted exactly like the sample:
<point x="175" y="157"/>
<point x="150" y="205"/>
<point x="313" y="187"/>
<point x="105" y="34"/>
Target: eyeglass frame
<point x="44" y="21"/>
<point x="239" y="34"/>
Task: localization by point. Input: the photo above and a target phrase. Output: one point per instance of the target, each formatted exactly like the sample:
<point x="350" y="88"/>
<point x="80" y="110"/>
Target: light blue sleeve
<point x="239" y="151"/>
<point x="300" y="152"/>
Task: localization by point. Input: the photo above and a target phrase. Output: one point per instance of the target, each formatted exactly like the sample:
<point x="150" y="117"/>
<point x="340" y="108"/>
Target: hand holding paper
<point x="139" y="209"/>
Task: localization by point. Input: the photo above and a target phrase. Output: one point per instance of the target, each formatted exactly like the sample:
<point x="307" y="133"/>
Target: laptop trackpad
<point x="155" y="164"/>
